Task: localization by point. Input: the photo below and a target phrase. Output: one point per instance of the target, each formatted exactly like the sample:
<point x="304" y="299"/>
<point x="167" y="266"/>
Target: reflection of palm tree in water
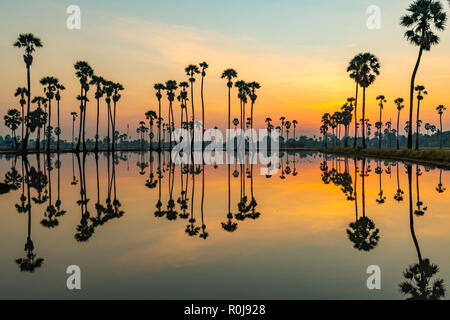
<point x="183" y="200"/>
<point x="191" y="228"/>
<point x="399" y="195"/>
<point x="50" y="220"/>
<point x="59" y="211"/>
<point x="159" y="213"/>
<point x="84" y="229"/>
<point x="362" y="232"/>
<point x="171" y="214"/>
<point x="418" y="276"/>
<point x="440" y="188"/>
<point x="38" y="181"/>
<point x="151" y="182"/>
<point x="30" y="262"/>
<point x="420" y="211"/>
<point x="379" y="172"/>
<point x="204" y="234"/>
<point x="229" y="226"/>
<point x="74" y="178"/>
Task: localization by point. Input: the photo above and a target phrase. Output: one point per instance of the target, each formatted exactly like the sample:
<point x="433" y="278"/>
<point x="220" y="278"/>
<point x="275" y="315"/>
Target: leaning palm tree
<point x="354" y="68"/>
<point x="98" y="82"/>
<point x="229" y="74"/>
<point x="83" y="71"/>
<point x="400" y="106"/>
<point x="158" y="87"/>
<point x="50" y="84"/>
<point x="59" y="88"/>
<point x="370" y="68"/>
<point x="440" y="109"/>
<point x="13" y="119"/>
<point x="422" y="19"/>
<point x="204" y="66"/>
<point x="420" y="92"/>
<point x="381" y="100"/>
<point x="30" y="43"/>
<point x="22" y="92"/>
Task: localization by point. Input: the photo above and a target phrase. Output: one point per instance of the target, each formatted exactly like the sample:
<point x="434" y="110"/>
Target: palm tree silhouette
<point x="399" y="195"/>
<point x="381" y="100"/>
<point x="422" y="18"/>
<point x="354" y="68"/>
<point x="253" y="86"/>
<point x="379" y="172"/>
<point x="204" y="66"/>
<point x="229" y="74"/>
<point x="420" y="92"/>
<point x="418" y="276"/>
<point x="229" y="226"/>
<point x="83" y="71"/>
<point x="440" y="188"/>
<point x="440" y="109"/>
<point x="22" y="92"/>
<point x="50" y="84"/>
<point x="12" y="121"/>
<point x="59" y="88"/>
<point x="171" y="86"/>
<point x="74" y="117"/>
<point x="98" y="82"/>
<point x="158" y="87"/>
<point x="191" y="70"/>
<point x="30" y="43"/>
<point x="151" y="116"/>
<point x="108" y="88"/>
<point x="400" y="106"/>
<point x="116" y="97"/>
<point x="368" y="71"/>
<point x="37" y="120"/>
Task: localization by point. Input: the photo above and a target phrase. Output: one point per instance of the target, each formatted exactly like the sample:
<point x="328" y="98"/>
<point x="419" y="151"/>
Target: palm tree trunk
<point x="356" y="119"/>
<point x="81" y="121"/>
<point x="59" y="129"/>
<point x="411" y="216"/>
<point x="355" y="188"/>
<point x="363" y="119"/>
<point x="25" y="141"/>
<point x="159" y="125"/>
<point x="96" y="131"/>
<point x="203" y="114"/>
<point x="398" y="129"/>
<point x="84" y="125"/>
<point x="411" y="97"/>
<point x="379" y="131"/>
<point x="49" y="134"/>
<point x="417" y="125"/>
<point x="440" y="132"/>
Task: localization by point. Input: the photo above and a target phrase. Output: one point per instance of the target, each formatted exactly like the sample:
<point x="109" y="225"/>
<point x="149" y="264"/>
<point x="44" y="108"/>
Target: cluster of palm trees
<point x="283" y="129"/>
<point x="41" y="117"/>
<point x="423" y="19"/>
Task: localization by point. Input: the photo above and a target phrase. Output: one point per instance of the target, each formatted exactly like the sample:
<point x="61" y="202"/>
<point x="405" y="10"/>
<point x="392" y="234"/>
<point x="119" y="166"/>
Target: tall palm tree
<point x="158" y="87"/>
<point x="420" y="92"/>
<point x="381" y="100"/>
<point x="98" y="82"/>
<point x="116" y="97"/>
<point x="151" y="116"/>
<point x="108" y="88"/>
<point x="294" y="122"/>
<point x="204" y="66"/>
<point x="171" y="86"/>
<point x="50" y="84"/>
<point x="83" y="71"/>
<point x="13" y="119"/>
<point x="191" y="70"/>
<point x="74" y="117"/>
<point x="253" y="86"/>
<point x="440" y="109"/>
<point x="30" y="43"/>
<point x="59" y="88"/>
<point x="182" y="97"/>
<point x="400" y="106"/>
<point x="229" y="74"/>
<point x="22" y="92"/>
<point x="370" y="68"/>
<point x="422" y="19"/>
<point x="354" y="68"/>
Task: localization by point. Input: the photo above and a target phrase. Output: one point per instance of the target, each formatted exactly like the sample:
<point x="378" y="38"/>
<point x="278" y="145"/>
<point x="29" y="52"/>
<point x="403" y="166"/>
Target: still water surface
<point x="139" y="227"/>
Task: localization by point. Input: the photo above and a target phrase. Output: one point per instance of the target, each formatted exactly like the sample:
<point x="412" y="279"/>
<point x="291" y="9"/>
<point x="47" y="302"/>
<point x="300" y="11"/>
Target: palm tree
<point x="59" y="88"/>
<point x="171" y="86"/>
<point x="22" y="92"/>
<point x="151" y="116"/>
<point x="30" y="43"/>
<point x="400" y="106"/>
<point x="98" y="82"/>
<point x="381" y="100"/>
<point x="49" y="84"/>
<point x="12" y="121"/>
<point x="422" y="18"/>
<point x="37" y="119"/>
<point x="116" y="97"/>
<point x="108" y="88"/>
<point x="83" y="72"/>
<point x="191" y="70"/>
<point x="440" y="109"/>
<point x="229" y="74"/>
<point x="354" y="68"/>
<point x="74" y="117"/>
<point x="204" y="66"/>
<point x="294" y="122"/>
<point x="420" y="90"/>
<point x="369" y="70"/>
<point x="253" y="86"/>
<point x="158" y="87"/>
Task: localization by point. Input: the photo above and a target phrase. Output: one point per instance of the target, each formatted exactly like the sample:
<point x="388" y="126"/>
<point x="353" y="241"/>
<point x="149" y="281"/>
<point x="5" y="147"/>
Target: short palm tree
<point x="422" y="19"/>
<point x="229" y="74"/>
<point x="294" y="122"/>
<point x="12" y="121"/>
<point x="381" y="100"/>
<point x="440" y="109"/>
<point x="151" y="116"/>
<point x="37" y="119"/>
<point x="30" y="43"/>
<point x="420" y="93"/>
<point x="400" y="106"/>
<point x="74" y="117"/>
<point x="22" y="92"/>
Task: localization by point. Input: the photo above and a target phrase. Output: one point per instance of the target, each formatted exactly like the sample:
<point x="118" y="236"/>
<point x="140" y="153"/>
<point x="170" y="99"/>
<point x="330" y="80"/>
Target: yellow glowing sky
<point x="297" y="51"/>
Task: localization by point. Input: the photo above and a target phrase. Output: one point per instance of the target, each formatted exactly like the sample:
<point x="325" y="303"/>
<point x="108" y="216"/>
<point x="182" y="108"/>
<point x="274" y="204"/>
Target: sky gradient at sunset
<point x="297" y="50"/>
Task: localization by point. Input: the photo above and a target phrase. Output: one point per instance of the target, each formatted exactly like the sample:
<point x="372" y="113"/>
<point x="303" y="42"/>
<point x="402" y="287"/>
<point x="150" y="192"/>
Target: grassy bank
<point x="431" y="156"/>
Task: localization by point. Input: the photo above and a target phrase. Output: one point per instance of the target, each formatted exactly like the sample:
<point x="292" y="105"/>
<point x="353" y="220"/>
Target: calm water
<point x="138" y="229"/>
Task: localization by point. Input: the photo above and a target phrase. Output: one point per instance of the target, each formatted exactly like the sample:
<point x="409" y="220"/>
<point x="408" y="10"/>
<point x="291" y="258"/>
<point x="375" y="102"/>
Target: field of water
<point x="141" y="227"/>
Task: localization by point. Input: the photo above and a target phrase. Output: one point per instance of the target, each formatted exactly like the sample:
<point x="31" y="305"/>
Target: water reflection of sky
<point x="298" y="247"/>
